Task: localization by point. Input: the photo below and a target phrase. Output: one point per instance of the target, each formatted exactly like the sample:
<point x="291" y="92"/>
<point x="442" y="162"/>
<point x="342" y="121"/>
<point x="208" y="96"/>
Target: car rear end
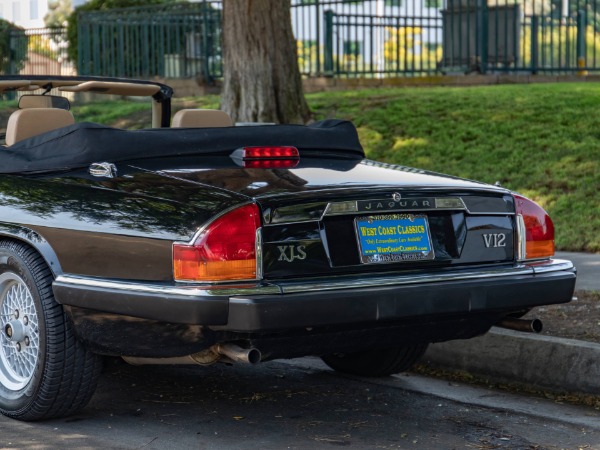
<point x="358" y="266"/>
<point x="315" y="252"/>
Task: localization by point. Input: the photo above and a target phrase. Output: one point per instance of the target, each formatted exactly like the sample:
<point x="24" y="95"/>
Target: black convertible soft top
<point x="84" y="143"/>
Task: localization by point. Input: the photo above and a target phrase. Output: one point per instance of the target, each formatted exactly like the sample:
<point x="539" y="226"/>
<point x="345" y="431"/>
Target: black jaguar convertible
<point x="198" y="241"/>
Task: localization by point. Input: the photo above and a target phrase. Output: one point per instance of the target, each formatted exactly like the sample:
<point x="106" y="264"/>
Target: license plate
<point x="393" y="237"/>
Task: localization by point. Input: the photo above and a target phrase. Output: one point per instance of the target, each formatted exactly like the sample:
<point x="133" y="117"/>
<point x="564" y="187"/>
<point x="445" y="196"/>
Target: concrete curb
<point x="544" y="361"/>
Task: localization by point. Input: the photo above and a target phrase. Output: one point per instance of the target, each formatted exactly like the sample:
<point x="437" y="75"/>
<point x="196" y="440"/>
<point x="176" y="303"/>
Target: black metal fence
<point x="38" y="51"/>
<point x="376" y="38"/>
<point x="179" y="40"/>
<point x="340" y="38"/>
<point x="367" y="38"/>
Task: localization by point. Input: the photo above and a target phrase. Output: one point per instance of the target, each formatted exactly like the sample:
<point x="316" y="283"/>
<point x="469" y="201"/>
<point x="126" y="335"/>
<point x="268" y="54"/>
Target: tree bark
<point x="261" y="78"/>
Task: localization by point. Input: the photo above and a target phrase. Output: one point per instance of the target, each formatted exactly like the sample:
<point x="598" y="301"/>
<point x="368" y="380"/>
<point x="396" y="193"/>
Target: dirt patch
<point x="578" y="319"/>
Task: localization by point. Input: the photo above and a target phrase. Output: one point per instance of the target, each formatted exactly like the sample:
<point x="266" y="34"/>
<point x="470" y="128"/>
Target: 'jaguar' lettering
<point x="418" y="203"/>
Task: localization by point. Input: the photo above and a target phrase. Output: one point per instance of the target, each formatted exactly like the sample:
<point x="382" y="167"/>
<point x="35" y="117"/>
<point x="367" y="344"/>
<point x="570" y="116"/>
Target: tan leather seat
<point x="25" y="123"/>
<point x="201" y="118"/>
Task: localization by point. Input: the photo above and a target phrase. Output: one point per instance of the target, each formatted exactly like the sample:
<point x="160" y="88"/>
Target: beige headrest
<point x="201" y="118"/>
<point x="25" y="123"/>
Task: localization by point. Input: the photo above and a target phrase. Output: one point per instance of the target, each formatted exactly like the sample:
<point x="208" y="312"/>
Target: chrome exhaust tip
<point x="525" y="325"/>
<point x="239" y="354"/>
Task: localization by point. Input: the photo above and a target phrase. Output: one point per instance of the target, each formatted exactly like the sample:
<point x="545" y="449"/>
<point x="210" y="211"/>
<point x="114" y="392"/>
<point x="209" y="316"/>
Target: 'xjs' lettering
<point x="289" y="253"/>
<point x="494" y="240"/>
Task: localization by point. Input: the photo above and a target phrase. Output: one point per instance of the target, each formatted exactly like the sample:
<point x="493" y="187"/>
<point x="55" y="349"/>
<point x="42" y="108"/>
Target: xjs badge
<point x="289" y="253"/>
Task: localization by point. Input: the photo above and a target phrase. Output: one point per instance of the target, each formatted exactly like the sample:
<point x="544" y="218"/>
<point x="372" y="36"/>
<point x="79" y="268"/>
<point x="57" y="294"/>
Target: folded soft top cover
<point x="84" y="143"/>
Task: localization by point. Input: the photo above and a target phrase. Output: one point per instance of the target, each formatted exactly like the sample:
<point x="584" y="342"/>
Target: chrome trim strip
<point x="298" y="213"/>
<point x="185" y="291"/>
<point x="301" y="213"/>
<point x="520" y="269"/>
<point x="197" y="292"/>
<point x="282" y="221"/>
<point x="458" y="203"/>
<point x="521" y="238"/>
<point x="259" y="254"/>
<point x="351" y="207"/>
<point x="340" y="208"/>
<point x="294" y="222"/>
<point x="480" y="213"/>
<point x="555" y="266"/>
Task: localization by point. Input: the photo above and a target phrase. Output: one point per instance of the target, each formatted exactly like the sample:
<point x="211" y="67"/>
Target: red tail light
<point x="267" y="157"/>
<point x="225" y="250"/>
<point x="536" y="230"/>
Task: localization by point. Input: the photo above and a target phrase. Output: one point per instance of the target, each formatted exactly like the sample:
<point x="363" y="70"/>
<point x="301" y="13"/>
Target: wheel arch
<point x="58" y="374"/>
<point x="34" y="240"/>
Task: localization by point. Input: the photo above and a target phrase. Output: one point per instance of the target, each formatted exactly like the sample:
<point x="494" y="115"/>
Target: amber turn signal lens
<point x="537" y="250"/>
<point x="538" y="230"/>
<point x="224" y="251"/>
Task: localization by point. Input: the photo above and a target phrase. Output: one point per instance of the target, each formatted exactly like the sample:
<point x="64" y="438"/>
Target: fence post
<point x="328" y="56"/>
<point x="483" y="35"/>
<point x="12" y="69"/>
<point x="318" y="37"/>
<point x="535" y="25"/>
<point x="80" y="57"/>
<point x="206" y="75"/>
<point x="581" y="47"/>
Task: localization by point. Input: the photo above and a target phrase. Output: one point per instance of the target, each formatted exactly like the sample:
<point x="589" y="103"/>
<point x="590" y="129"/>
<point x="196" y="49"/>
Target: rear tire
<point x="376" y="363"/>
<point x="45" y="371"/>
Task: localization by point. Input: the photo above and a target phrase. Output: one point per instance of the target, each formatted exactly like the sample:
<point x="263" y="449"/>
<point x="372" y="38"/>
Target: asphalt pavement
<point x="548" y="362"/>
<point x="588" y="269"/>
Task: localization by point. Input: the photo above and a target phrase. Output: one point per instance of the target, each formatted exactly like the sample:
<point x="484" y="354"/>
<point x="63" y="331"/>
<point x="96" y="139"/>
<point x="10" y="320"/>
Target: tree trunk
<point x="262" y="81"/>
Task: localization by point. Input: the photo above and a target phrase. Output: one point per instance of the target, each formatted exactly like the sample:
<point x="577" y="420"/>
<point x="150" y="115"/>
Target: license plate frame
<point x="392" y="238"/>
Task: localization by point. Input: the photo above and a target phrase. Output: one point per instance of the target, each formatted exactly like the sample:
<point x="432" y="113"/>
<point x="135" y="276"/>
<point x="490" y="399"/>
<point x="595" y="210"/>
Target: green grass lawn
<point x="541" y="140"/>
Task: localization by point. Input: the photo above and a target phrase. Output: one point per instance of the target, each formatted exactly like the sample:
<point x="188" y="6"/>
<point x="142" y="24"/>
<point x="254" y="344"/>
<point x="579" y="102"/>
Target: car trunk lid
<point x="329" y="217"/>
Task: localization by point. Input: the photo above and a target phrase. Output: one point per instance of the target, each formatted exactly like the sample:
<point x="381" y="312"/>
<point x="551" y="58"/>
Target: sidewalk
<point x="588" y="269"/>
<point x="549" y="362"/>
